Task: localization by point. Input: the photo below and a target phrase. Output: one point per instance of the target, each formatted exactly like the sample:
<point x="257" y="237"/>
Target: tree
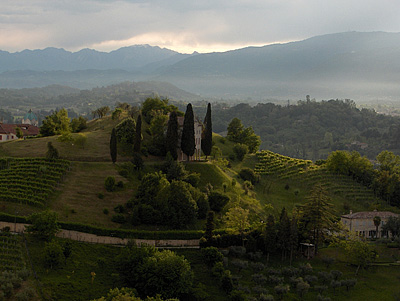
<point x="187" y="140"/>
<point x="210" y="225"/>
<point x="237" y="220"/>
<point x="317" y="215"/>
<point x="217" y="200"/>
<point x="113" y="146"/>
<point x="251" y="139"/>
<point x="235" y="130"/>
<point x="181" y="205"/>
<point x="56" y="124"/>
<point x="172" y="135"/>
<point x="270" y="236"/>
<point x="126" y="130"/>
<point x="103" y="111"/>
<point x="52" y="152"/>
<point x="116" y="114"/>
<point x="78" y="124"/>
<point x="154" y="272"/>
<point x="138" y="135"/>
<point x="206" y="139"/>
<point x="53" y="254"/>
<point x="377" y="222"/>
<point x="80" y="140"/>
<point x="240" y="150"/>
<point x="358" y="252"/>
<point x="19" y="133"/>
<point x="44" y="224"/>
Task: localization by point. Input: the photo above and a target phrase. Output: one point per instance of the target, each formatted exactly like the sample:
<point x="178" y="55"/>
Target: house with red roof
<point x="8" y="132"/>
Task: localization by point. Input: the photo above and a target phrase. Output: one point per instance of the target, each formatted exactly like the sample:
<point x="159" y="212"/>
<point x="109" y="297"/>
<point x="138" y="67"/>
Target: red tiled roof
<point x="370" y="214"/>
<point x="27" y="129"/>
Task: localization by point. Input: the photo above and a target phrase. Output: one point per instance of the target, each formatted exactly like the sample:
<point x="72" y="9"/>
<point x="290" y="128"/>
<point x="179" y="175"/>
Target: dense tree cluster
<point x="384" y="179"/>
<point x="59" y="123"/>
<point x="246" y="136"/>
<point x="335" y="125"/>
<point x="152" y="272"/>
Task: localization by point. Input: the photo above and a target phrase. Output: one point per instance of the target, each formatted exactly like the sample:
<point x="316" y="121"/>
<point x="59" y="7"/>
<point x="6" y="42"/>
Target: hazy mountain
<point x="344" y="65"/>
<point x="335" y="65"/>
<point x="131" y="58"/>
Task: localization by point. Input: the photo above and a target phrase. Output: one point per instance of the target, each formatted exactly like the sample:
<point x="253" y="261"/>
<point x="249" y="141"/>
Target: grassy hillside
<point x="287" y="181"/>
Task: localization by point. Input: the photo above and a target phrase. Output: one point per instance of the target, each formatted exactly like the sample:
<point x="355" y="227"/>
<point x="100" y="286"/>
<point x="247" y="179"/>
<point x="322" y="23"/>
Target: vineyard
<point x="305" y="173"/>
<point x="10" y="252"/>
<point x="30" y="180"/>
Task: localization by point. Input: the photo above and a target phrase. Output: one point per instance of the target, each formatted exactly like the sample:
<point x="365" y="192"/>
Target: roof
<point x="30" y="115"/>
<point x="370" y="214"/>
<point x="27" y="129"/>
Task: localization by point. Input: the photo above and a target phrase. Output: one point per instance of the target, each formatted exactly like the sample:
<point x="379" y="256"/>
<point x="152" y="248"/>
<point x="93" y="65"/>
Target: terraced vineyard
<point x="305" y="173"/>
<point x="30" y="180"/>
<point x="11" y="252"/>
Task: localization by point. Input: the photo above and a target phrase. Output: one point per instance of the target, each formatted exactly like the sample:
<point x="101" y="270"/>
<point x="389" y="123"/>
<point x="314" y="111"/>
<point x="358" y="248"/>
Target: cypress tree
<point x="187" y="141"/>
<point x="206" y="141"/>
<point x="138" y="135"/>
<point x="172" y="135"/>
<point x="113" y="146"/>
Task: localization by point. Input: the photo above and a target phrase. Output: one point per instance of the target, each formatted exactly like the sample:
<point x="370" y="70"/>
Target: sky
<point x="184" y="25"/>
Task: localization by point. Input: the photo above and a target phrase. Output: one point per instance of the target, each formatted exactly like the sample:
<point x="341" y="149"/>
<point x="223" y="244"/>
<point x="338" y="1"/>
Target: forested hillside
<point x="311" y="129"/>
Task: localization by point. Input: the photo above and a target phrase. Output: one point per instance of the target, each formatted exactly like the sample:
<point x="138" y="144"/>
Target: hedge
<point x="121" y="233"/>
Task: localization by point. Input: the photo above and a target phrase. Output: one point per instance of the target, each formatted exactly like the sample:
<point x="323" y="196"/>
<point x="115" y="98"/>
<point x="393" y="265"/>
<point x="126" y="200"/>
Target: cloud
<point x="184" y="25"/>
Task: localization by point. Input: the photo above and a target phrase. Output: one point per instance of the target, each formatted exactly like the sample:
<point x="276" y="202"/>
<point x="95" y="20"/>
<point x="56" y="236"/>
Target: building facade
<point x="362" y="223"/>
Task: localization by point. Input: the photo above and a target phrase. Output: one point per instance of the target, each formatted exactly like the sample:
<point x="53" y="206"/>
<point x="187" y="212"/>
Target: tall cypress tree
<point x="187" y="141"/>
<point x="206" y="141"/>
<point x="172" y="135"/>
<point x="138" y="135"/>
<point x="113" y="146"/>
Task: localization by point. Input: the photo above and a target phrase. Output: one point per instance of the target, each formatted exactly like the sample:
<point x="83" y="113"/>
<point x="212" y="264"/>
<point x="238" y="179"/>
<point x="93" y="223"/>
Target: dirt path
<point x="92" y="238"/>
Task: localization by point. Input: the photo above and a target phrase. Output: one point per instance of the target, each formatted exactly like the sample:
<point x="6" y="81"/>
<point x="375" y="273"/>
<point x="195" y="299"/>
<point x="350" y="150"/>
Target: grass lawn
<point x="77" y="200"/>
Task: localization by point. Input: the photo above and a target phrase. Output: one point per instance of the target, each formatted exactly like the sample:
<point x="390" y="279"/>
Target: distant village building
<point x="363" y="222"/>
<point x="198" y="130"/>
<point x="9" y="131"/>
<point x="30" y="118"/>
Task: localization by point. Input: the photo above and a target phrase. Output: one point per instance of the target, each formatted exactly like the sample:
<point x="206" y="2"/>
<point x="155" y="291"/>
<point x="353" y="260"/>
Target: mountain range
<point x="343" y="65"/>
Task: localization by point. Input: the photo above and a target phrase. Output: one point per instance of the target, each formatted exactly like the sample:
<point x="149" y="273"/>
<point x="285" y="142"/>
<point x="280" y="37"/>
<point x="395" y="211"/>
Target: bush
<point x="100" y="195"/>
<point x="118" y="218"/>
<point x="105" y="211"/>
<point x="240" y="150"/>
<point x="211" y="256"/>
<point x="110" y="184"/>
<point x="237" y="251"/>
<point x="248" y="174"/>
<point x="217" y="201"/>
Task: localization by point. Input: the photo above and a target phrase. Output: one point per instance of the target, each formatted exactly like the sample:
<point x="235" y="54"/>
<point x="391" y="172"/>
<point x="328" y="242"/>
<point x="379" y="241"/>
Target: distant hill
<point x="353" y="65"/>
<point x="343" y="65"/>
<point x="131" y="58"/>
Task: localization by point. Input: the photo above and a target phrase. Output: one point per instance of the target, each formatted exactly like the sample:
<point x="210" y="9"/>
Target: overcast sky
<point x="184" y="25"/>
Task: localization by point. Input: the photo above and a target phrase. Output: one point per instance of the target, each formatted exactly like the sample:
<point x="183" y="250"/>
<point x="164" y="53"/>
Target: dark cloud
<point x="181" y="24"/>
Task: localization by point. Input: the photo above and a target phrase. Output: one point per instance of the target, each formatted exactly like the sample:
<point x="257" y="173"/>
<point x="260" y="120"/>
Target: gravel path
<point x="92" y="238"/>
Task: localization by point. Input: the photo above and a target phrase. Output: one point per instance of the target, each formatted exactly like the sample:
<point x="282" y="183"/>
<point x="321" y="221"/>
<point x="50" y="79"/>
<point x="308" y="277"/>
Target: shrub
<point x="118" y="218"/>
<point x="248" y="174"/>
<point x="105" y="211"/>
<point x="211" y="255"/>
<point x="237" y="251"/>
<point x="110" y="184"/>
<point x="119" y="209"/>
<point x="120" y="185"/>
<point x="240" y="150"/>
<point x="217" y="201"/>
<point x="100" y="195"/>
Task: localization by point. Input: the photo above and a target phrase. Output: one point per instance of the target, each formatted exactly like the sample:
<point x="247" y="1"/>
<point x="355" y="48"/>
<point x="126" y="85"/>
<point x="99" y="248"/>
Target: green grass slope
<point x="286" y="182"/>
